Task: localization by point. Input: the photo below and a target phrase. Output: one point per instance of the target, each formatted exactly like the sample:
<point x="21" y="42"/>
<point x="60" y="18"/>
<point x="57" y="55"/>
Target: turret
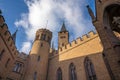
<point x="2" y="20"/>
<point x="38" y="57"/>
<point x="63" y="36"/>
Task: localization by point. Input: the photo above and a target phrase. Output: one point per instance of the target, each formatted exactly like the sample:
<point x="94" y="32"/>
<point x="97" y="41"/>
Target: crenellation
<point x="85" y="37"/>
<point x="78" y="41"/>
<point x="73" y="43"/>
<point x="68" y="45"/>
<point x="91" y="33"/>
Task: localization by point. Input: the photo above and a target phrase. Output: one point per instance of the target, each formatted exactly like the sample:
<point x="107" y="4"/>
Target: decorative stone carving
<point x="116" y="21"/>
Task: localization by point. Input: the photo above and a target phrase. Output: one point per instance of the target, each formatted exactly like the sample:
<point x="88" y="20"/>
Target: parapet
<point x="42" y="30"/>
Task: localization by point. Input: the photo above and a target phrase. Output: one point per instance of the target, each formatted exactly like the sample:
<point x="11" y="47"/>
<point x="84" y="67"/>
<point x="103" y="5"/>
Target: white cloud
<point x="41" y="11"/>
<point x="26" y="46"/>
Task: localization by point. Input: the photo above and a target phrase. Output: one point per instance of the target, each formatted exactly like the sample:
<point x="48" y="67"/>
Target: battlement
<point x="43" y="29"/>
<point x="79" y="41"/>
<point x="63" y="32"/>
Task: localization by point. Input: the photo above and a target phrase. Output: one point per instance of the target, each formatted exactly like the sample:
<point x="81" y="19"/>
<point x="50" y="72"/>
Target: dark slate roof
<point x="14" y="36"/>
<point x="63" y="28"/>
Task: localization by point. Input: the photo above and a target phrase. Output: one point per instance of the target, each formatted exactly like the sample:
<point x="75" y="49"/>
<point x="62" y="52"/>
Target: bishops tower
<point x="63" y="36"/>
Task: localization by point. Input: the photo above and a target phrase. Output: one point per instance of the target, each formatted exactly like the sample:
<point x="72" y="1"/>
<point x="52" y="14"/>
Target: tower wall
<point x="38" y="57"/>
<point x="105" y="11"/>
<point x="63" y="38"/>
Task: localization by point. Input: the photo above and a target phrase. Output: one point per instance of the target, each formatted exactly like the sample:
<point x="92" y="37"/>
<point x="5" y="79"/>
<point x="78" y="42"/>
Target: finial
<point x="91" y="13"/>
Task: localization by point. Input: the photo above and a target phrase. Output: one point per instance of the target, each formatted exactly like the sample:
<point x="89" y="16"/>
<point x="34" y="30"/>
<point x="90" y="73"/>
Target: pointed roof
<point x="14" y="35"/>
<point x="63" y="28"/>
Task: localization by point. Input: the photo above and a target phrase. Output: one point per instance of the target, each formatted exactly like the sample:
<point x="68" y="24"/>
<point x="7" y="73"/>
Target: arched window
<point x="38" y="58"/>
<point x="89" y="68"/>
<point x="108" y="66"/>
<point x="59" y="74"/>
<point x="72" y="72"/>
<point x="35" y="76"/>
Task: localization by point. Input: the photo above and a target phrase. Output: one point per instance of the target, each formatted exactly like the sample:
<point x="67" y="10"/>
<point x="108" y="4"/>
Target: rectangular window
<point x="7" y="62"/>
<point x="1" y="53"/>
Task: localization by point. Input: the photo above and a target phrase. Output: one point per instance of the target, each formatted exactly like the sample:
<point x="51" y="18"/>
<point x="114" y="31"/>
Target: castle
<point x="94" y="56"/>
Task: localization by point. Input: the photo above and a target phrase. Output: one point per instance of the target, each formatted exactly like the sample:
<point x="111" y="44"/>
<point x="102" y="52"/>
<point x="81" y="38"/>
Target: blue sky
<point x="30" y="15"/>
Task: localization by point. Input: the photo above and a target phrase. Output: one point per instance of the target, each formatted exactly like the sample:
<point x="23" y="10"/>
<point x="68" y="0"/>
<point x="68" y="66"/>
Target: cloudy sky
<point x="29" y="15"/>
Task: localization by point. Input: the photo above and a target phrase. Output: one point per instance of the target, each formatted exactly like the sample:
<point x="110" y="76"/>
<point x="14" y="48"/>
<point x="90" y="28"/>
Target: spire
<point x="14" y="36"/>
<point x="63" y="28"/>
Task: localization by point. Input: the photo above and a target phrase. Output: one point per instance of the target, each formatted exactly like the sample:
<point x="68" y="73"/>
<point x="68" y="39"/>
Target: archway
<point x="111" y="21"/>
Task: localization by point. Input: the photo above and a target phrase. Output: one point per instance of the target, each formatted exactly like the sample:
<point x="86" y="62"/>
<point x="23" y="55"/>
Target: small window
<point x="7" y="62"/>
<point x="72" y="72"/>
<point x="49" y="40"/>
<point x="38" y="58"/>
<point x="59" y="74"/>
<point x="62" y="37"/>
<point x="41" y="44"/>
<point x="1" y="54"/>
<point x="44" y="36"/>
<point x="89" y="68"/>
<point x="62" y="44"/>
<point x="37" y="37"/>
